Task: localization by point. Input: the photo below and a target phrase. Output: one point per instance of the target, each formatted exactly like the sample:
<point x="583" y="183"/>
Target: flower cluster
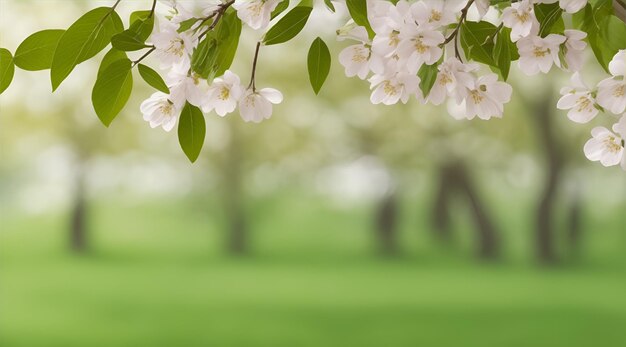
<point x="407" y="37"/>
<point x="584" y="104"/>
<point x="174" y="49"/>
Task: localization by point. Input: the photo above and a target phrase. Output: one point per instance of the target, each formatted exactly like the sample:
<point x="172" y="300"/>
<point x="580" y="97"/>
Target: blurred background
<point x="335" y="223"/>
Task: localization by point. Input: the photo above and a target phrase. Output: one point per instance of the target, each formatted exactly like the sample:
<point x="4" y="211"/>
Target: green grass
<point x="157" y="277"/>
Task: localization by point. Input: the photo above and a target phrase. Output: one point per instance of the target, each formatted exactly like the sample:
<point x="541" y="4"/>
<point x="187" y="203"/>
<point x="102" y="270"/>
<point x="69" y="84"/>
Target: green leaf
<point x="502" y="52"/>
<point x="37" y="51"/>
<point x="280" y="8"/>
<point x="187" y="24"/>
<point x="604" y="31"/>
<point x="143" y="14"/>
<point x="329" y="5"/>
<point x="191" y="131"/>
<point x="134" y="38"/>
<point x="205" y="55"/>
<point x="428" y="77"/>
<point x="112" y="90"/>
<point x="153" y="78"/>
<point x="289" y="26"/>
<point x="112" y="56"/>
<point x="127" y="42"/>
<point x="358" y="12"/>
<point x="228" y="33"/>
<point x="7" y="69"/>
<point x="550" y="18"/>
<point x="474" y="40"/>
<point x="318" y="64"/>
<point x="83" y="40"/>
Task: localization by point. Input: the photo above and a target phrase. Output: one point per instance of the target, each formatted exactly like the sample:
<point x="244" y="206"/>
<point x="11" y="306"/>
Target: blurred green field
<point x="157" y="277"/>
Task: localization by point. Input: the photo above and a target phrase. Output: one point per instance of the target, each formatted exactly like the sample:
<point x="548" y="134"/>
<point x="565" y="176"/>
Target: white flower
<point x="575" y="49"/>
<point x="173" y="49"/>
<point x="520" y="17"/>
<point x="352" y="31"/>
<point x="159" y="110"/>
<point x="224" y="94"/>
<point x="607" y="147"/>
<point x="255" y="13"/>
<point x="612" y="91"/>
<point x="538" y="54"/>
<point x="617" y="66"/>
<point x="434" y="13"/>
<point x="453" y="79"/>
<point x="355" y="60"/>
<point x="255" y="106"/>
<point x="482" y="6"/>
<point x="418" y="47"/>
<point x="572" y="6"/>
<point x="578" y="100"/>
<point x="612" y="94"/>
<point x="487" y="97"/>
<point x="391" y="89"/>
<point x="189" y="86"/>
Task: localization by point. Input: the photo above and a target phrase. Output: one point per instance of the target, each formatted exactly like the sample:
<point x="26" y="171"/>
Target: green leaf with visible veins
<point x="289" y="26"/>
<point x="83" y="40"/>
<point x="191" y="131"/>
<point x="318" y="64"/>
<point x="153" y="78"/>
<point x="37" y="51"/>
<point x="112" y="90"/>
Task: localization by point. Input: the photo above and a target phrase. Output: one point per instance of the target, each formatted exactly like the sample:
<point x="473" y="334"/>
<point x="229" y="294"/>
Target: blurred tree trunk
<point x="488" y="241"/>
<point x="545" y="243"/>
<point x="387" y="224"/>
<point x="455" y="180"/>
<point x="441" y="209"/>
<point x="78" y="218"/>
<point x="232" y="193"/>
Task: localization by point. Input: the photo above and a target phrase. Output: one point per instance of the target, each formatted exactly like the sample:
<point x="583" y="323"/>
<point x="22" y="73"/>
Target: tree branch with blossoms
<point x="458" y="53"/>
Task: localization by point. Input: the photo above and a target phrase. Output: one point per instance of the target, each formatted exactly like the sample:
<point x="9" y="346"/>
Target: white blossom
<point x="255" y="106"/>
<point x="520" y="17"/>
<point x="538" y="54"/>
<point x="607" y="147"/>
<point x="173" y="49"/>
<point x="255" y="13"/>
<point x="189" y="86"/>
<point x="418" y="47"/>
<point x="579" y="100"/>
<point x="355" y="60"/>
<point x="434" y="13"/>
<point x="391" y="89"/>
<point x="612" y="90"/>
<point x="487" y="97"/>
<point x="159" y="110"/>
<point x="575" y="49"/>
<point x="224" y="94"/>
<point x="453" y="80"/>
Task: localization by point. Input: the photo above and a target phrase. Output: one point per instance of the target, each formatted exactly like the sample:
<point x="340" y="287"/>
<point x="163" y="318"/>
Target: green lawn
<point x="156" y="277"/>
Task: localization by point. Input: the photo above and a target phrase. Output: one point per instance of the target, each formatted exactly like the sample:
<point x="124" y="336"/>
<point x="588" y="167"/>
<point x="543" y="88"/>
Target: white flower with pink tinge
<point x="520" y="17"/>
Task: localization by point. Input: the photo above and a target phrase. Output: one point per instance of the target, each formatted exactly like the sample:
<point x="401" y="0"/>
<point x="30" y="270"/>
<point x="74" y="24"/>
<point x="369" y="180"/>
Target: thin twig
<point x="152" y="49"/>
<point x="218" y="14"/>
<point x="254" y="63"/>
<point x="152" y="9"/>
